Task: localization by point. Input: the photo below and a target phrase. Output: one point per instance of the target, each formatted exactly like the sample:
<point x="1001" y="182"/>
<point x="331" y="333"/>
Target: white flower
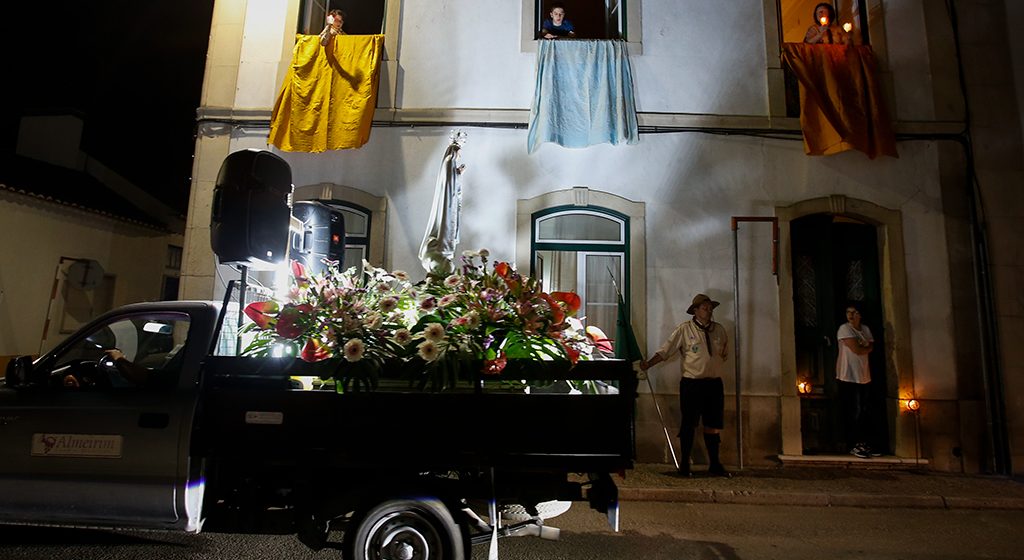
<point x="434" y="332"/>
<point x="401" y="275"/>
<point x="383" y="288"/>
<point x="428" y="350"/>
<point x="403" y="336"/>
<point x="388" y="304"/>
<point x="373" y="321"/>
<point x="472" y="319"/>
<point x="484" y="253"/>
<point x="354" y="349"/>
<point x="452" y="281"/>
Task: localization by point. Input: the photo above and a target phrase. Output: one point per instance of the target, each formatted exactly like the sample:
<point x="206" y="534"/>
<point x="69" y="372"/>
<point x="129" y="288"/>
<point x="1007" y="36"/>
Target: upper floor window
<point x="590" y="19"/>
<point x="362" y="17"/>
<point x="799" y="16"/>
<point x="587" y="19"/>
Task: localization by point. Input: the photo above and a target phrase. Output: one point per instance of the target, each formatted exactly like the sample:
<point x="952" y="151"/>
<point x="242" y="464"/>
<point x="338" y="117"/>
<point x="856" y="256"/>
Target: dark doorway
<point x="835" y="263"/>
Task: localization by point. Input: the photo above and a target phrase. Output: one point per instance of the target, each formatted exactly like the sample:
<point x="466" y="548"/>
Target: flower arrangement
<point x="480" y="314"/>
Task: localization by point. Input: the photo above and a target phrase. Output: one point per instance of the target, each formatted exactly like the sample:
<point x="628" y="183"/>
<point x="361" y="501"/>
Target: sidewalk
<point x="823" y="486"/>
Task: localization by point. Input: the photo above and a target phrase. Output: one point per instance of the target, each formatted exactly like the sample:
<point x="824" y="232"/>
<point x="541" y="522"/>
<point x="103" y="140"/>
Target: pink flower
<point x="452" y="281"/>
<point x="428" y="304"/>
<point x="447" y="300"/>
<point x="401" y="275"/>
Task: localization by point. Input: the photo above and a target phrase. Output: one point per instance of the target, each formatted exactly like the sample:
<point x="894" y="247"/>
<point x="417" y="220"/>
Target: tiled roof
<point x="68" y="187"/>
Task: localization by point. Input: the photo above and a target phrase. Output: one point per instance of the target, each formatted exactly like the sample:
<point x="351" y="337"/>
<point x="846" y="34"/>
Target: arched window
<point x="584" y="251"/>
<point x="365" y="220"/>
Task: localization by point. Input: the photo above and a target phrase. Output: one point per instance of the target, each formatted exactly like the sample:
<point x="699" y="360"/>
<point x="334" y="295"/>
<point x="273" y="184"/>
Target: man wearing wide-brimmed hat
<point x="703" y="345"/>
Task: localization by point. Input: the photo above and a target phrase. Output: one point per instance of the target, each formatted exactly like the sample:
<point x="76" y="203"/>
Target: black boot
<point x="685" y="447"/>
<point x="712" y="442"/>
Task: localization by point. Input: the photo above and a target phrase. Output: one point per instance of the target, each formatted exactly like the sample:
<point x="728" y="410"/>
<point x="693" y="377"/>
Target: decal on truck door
<point x="76" y="445"/>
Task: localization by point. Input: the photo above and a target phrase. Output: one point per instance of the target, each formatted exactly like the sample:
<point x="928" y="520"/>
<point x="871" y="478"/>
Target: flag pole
<point x="647" y="376"/>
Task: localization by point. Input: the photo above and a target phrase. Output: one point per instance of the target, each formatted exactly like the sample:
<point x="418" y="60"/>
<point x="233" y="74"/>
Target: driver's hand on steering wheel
<point x="114" y="354"/>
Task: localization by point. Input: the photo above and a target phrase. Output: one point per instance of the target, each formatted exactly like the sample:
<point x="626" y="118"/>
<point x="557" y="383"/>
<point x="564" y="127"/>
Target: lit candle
<point x="824" y="20"/>
<point x="847" y="27"/>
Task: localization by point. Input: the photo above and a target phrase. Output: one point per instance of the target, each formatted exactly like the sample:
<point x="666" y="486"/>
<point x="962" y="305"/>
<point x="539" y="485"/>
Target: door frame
<point x="895" y="317"/>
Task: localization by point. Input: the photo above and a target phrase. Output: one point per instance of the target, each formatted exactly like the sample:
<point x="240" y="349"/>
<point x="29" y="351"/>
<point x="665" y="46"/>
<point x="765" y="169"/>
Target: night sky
<point x="132" y="69"/>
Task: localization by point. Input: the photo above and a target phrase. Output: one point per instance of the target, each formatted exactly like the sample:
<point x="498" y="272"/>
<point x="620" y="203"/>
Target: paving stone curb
<point x="698" y="496"/>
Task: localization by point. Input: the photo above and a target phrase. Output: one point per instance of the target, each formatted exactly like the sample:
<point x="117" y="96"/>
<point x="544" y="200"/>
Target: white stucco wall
<point x="699" y="58"/>
<point x="36" y="235"/>
<point x="448" y="59"/>
<point x="692" y="185"/>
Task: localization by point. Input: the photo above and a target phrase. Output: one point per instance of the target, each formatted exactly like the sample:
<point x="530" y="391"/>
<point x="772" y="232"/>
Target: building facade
<point x="925" y="243"/>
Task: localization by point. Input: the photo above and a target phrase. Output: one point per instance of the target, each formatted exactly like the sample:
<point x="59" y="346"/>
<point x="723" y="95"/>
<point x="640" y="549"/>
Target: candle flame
<point x="824" y="20"/>
<point x="847" y="27"/>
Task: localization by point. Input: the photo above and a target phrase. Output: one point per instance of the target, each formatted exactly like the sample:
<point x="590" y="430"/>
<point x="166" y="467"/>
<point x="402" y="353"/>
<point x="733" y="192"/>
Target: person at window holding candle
<point x="335" y="19"/>
<point x="826" y="30"/>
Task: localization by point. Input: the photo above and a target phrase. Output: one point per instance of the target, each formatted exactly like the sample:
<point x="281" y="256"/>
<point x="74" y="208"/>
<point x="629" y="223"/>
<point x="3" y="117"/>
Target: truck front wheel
<point x="420" y="529"/>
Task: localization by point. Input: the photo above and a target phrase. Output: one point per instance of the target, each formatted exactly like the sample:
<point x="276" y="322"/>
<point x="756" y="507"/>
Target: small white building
<point x="76" y="239"/>
<point x="716" y="145"/>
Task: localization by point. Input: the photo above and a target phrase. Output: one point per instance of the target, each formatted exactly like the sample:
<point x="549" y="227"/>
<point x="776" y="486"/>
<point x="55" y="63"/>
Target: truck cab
<point x="81" y="443"/>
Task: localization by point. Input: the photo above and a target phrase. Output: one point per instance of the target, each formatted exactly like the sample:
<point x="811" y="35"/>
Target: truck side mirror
<point x="19" y="371"/>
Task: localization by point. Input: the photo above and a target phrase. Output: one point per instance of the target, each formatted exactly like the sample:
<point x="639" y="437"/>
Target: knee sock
<point x="685" y="447"/>
<point x="712" y="442"/>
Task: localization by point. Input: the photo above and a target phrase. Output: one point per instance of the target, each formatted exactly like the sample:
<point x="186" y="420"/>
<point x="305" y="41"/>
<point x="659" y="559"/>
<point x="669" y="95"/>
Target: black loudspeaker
<point x="317" y="233"/>
<point x="250" y="214"/>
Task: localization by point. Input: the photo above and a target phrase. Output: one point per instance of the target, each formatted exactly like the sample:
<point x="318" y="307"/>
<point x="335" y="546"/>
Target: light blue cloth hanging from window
<point x="583" y="95"/>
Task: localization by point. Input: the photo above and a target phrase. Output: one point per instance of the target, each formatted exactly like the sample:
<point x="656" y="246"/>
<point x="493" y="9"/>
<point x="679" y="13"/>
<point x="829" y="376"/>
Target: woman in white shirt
<point x="854" y="376"/>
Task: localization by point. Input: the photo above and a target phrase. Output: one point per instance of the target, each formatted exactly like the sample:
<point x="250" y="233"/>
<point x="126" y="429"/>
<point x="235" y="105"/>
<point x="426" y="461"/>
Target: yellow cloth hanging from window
<point x="329" y="95"/>
<point x="841" y="104"/>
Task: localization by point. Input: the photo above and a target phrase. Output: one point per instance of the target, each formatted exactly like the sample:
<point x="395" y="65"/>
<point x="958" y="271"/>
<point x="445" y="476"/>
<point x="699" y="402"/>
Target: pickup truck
<point x="401" y="472"/>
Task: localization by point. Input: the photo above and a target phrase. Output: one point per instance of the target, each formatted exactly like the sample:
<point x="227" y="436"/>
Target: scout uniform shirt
<point x="691" y="342"/>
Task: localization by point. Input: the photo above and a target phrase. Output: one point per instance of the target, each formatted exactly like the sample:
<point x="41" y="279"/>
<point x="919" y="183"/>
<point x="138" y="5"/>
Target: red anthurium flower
<point x="288" y="320"/>
<point x="501" y="269"/>
<point x="314" y="351"/>
<point x="495" y="366"/>
<point x="261" y="313"/>
<point x="599" y="339"/>
<point x="574" y="355"/>
<point x="557" y="314"/>
<point x="570" y="299"/>
<point x="299" y="272"/>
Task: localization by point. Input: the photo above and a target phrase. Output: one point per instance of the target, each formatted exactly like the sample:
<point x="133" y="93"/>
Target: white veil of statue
<point x="442" y="236"/>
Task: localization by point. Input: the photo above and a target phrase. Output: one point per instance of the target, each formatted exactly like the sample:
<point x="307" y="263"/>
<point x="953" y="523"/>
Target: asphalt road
<point x="650" y="531"/>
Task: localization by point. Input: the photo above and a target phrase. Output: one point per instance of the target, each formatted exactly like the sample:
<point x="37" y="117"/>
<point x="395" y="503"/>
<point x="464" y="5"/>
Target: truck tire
<point x="405" y="529"/>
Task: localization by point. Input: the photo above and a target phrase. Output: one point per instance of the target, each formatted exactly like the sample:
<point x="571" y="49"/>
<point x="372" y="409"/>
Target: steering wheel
<point x="83" y="373"/>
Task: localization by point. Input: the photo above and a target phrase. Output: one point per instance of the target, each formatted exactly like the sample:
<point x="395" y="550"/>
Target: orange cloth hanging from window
<point x="841" y="105"/>
<point x="329" y="95"/>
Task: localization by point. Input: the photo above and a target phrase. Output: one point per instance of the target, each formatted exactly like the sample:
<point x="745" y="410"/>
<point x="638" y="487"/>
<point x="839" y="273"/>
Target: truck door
<point x="99" y="441"/>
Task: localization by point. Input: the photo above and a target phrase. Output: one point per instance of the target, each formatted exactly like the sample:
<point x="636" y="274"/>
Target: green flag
<point x="626" y="347"/>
